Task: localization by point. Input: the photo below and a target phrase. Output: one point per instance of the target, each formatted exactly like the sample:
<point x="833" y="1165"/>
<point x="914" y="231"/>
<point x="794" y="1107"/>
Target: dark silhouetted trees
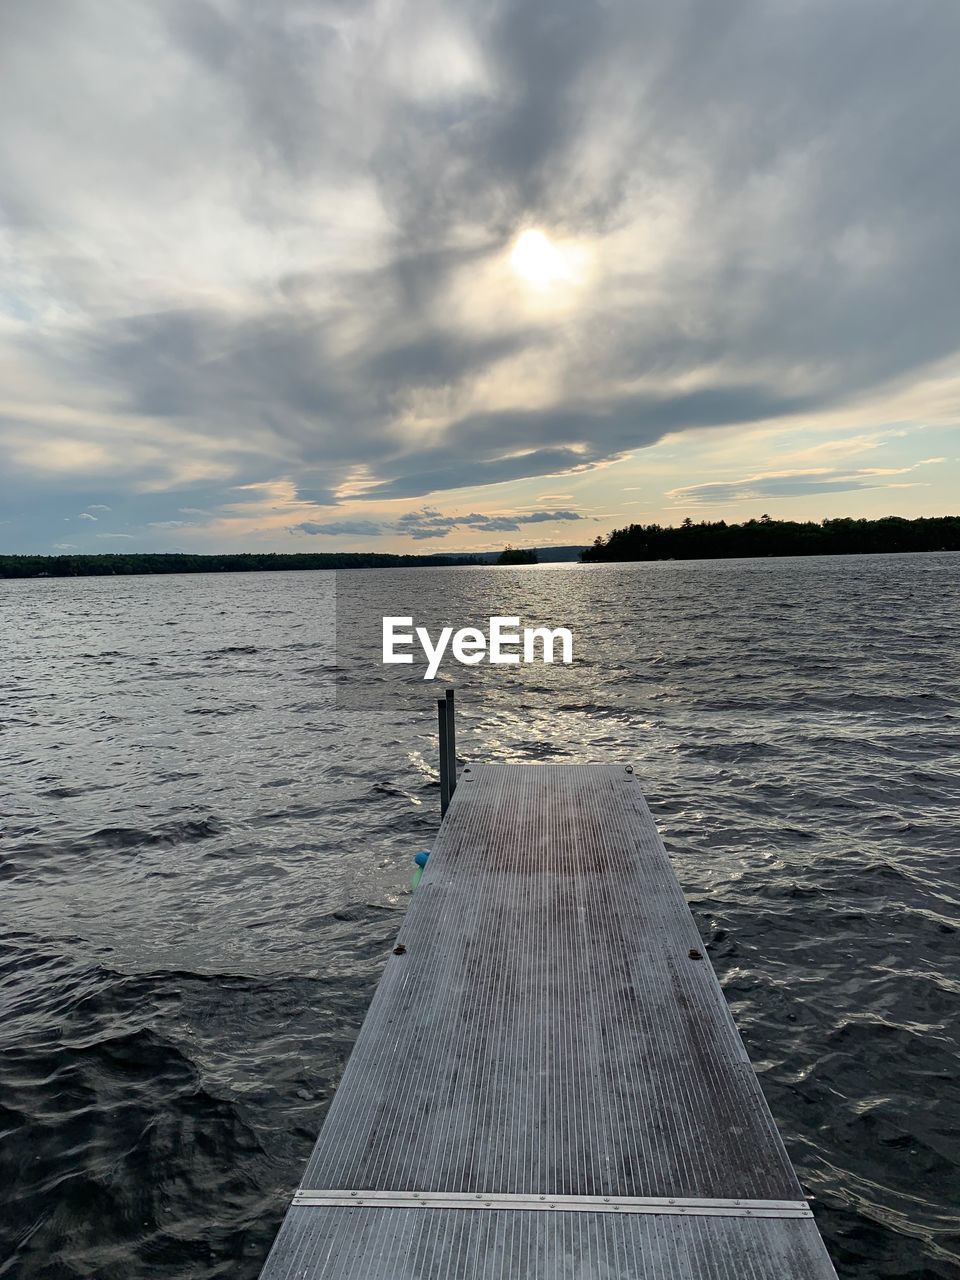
<point x="516" y="555"/>
<point x="81" y="566"/>
<point x="766" y="537"/>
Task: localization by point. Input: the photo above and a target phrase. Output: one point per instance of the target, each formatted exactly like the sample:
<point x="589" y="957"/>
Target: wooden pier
<point x="548" y="1083"/>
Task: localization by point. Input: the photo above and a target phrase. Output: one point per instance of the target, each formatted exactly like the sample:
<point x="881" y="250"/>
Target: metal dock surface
<point x="548" y="1082"/>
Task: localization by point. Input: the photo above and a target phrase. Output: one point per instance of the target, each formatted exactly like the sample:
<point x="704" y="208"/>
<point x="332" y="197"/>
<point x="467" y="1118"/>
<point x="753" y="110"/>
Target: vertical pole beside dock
<point x="451" y="743"/>
<point x="442" y="722"/>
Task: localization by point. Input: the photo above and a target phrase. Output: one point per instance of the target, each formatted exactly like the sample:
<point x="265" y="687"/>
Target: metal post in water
<point x="442" y="723"/>
<point x="451" y="742"/>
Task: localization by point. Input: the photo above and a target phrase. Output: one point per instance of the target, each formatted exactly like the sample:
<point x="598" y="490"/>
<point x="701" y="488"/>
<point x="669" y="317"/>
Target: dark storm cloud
<point x="429" y="523"/>
<point x="483" y="448"/>
<point x="778" y="180"/>
<point x="439" y="358"/>
<point x="333" y="528"/>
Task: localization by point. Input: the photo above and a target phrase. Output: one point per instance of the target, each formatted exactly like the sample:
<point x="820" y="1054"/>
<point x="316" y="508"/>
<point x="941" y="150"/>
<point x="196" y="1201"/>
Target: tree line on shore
<point x="687" y="541"/>
<point x="766" y="537"/>
<point x="86" y="566"/>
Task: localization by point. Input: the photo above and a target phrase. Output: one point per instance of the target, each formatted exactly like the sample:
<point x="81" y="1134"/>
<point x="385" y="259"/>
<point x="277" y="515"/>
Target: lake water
<point x="204" y="861"/>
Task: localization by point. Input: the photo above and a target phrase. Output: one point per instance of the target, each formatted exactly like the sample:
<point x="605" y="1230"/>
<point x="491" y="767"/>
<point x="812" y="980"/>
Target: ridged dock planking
<point x="548" y="1082"/>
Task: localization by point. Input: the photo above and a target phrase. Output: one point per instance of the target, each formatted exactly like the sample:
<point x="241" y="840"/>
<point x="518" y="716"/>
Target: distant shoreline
<point x="755" y="539"/>
<point x="112" y="564"/>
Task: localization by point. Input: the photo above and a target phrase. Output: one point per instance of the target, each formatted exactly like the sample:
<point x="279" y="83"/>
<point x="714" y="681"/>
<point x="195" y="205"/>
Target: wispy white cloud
<point x="795" y="484"/>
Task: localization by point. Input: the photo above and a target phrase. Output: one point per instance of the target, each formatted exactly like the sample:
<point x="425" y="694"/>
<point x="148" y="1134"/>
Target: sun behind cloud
<point x="537" y="260"/>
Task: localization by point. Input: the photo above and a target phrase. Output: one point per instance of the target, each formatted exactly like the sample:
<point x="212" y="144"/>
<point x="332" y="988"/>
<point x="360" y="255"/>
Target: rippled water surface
<point x="204" y="861"/>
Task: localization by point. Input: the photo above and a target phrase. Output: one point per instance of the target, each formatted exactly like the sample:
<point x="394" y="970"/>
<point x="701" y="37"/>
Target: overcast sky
<point x="311" y="276"/>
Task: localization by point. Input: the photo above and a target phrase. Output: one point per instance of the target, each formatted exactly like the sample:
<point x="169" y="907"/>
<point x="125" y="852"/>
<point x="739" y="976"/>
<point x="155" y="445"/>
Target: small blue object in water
<point x="421" y="858"/>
